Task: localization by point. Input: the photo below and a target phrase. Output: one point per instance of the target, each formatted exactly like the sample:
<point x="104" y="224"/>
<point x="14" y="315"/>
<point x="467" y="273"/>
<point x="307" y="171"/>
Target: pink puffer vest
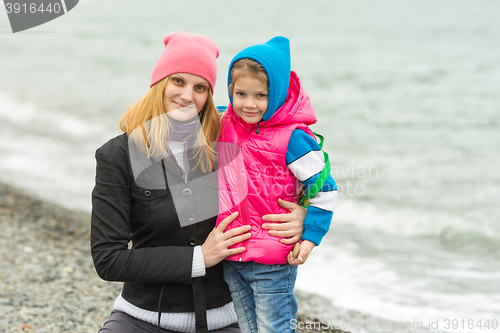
<point x="253" y="173"/>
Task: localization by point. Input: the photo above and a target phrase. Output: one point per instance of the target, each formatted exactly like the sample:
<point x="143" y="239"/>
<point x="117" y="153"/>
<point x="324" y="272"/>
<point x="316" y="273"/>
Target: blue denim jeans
<point x="262" y="295"/>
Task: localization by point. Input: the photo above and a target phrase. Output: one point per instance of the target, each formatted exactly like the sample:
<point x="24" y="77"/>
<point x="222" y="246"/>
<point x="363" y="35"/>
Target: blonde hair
<point x="149" y="115"/>
<point x="247" y="67"/>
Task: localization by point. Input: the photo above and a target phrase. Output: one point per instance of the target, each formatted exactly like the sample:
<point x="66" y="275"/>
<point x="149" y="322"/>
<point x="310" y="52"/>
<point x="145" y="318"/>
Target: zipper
<point x="244" y="208"/>
<point x="240" y="185"/>
<point x="241" y="188"/>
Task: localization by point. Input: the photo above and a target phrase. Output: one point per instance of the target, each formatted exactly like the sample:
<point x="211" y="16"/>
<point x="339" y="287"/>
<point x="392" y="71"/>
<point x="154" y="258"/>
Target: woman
<point x="155" y="188"/>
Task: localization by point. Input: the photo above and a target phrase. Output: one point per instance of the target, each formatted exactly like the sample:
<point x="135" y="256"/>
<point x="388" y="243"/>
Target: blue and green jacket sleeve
<point x="305" y="160"/>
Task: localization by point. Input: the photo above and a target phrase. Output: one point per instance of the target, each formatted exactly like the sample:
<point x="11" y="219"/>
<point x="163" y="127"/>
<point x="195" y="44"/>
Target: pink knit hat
<point x="187" y="53"/>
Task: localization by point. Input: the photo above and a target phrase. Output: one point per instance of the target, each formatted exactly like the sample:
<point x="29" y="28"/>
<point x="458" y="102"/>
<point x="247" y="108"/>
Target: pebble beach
<point x="47" y="278"/>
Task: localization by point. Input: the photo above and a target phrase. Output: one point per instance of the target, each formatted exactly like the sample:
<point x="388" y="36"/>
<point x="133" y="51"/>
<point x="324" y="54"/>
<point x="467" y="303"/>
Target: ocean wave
<point x="25" y="117"/>
<point x="470" y="242"/>
<point x="451" y="232"/>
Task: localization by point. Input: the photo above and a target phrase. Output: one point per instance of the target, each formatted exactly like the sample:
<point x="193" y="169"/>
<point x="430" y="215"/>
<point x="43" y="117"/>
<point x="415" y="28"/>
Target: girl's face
<point x="250" y="99"/>
<point x="185" y="95"/>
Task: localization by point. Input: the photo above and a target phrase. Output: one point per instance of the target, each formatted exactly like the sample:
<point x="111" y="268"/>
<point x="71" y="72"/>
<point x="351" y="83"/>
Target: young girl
<point x="268" y="120"/>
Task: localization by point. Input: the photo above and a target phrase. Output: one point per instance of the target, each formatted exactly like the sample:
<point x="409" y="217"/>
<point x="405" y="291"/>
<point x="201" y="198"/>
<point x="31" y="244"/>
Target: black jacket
<point x="162" y="250"/>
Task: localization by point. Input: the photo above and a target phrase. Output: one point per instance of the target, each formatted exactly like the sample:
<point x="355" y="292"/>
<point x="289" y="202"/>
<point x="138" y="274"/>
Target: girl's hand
<point x="216" y="246"/>
<point x="305" y="249"/>
<point x="291" y="226"/>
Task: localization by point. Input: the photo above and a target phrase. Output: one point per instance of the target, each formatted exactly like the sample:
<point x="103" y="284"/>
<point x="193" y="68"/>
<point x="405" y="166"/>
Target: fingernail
<point x="264" y="218"/>
<point x="300" y="259"/>
<point x="264" y="226"/>
<point x="248" y="227"/>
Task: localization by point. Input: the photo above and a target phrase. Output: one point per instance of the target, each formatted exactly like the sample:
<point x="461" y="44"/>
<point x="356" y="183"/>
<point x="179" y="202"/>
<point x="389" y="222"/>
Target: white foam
<point x="404" y="222"/>
<point x="371" y="284"/>
<point x="48" y="152"/>
<point x="27" y="117"/>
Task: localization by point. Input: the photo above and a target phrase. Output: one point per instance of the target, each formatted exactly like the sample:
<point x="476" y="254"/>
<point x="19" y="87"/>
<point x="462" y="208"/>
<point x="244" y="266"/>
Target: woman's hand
<point x="216" y="246"/>
<point x="291" y="226"/>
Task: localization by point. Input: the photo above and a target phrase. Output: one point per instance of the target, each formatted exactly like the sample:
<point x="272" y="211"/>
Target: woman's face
<point x="185" y="95"/>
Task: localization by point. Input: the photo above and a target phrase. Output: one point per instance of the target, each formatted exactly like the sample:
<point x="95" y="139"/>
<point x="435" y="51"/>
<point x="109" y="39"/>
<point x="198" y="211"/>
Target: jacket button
<point x="147" y="193"/>
<point x="186" y="192"/>
<point x="190" y="217"/>
<point x="192" y="241"/>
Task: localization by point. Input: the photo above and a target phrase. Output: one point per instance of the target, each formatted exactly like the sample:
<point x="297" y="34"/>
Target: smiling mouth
<point x="251" y="113"/>
<point x="184" y="107"/>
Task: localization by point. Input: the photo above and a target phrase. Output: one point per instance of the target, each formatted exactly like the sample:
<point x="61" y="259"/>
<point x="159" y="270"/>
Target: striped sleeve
<point x="305" y="160"/>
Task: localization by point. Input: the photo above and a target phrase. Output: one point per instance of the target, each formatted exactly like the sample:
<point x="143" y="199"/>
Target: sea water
<point x="407" y="95"/>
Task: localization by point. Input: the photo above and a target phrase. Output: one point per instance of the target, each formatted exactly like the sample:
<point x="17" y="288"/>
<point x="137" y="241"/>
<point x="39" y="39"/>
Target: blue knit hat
<point x="274" y="56"/>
